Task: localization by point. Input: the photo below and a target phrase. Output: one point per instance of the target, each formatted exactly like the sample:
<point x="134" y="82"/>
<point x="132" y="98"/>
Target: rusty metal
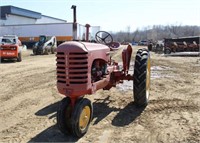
<point x="74" y="60"/>
<point x="87" y="32"/>
<point x="182" y="44"/>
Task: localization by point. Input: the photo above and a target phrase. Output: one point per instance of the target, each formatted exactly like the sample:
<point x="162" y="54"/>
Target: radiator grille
<point x="61" y="75"/>
<point x="78" y="68"/>
<point x="72" y="68"/>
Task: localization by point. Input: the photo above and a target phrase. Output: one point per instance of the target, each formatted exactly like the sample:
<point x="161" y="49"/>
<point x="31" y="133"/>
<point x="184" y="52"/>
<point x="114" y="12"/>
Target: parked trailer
<point x="29" y="33"/>
<point x="189" y="44"/>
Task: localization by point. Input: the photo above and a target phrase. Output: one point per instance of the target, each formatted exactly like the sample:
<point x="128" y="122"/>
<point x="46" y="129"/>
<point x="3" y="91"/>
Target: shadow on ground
<point x="7" y="61"/>
<point x="101" y="108"/>
<point x="124" y="116"/>
<point x="50" y="109"/>
<point x="52" y="134"/>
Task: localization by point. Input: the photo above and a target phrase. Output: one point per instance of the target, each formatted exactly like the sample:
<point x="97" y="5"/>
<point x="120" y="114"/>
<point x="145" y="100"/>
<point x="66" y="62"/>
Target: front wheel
<point x="46" y="51"/>
<point x="141" y="77"/>
<point x="64" y="116"/>
<point x="81" y="117"/>
<point x="53" y="50"/>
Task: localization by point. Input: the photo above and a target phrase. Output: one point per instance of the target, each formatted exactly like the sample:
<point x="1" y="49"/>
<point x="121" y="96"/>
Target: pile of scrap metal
<point x="183" y="44"/>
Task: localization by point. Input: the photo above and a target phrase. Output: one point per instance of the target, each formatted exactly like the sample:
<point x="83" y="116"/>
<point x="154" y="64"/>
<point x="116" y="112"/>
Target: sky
<point x="117" y="15"/>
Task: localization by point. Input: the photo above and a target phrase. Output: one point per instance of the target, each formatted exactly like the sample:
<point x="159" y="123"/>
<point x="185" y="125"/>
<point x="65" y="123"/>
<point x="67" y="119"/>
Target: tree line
<point x="156" y="32"/>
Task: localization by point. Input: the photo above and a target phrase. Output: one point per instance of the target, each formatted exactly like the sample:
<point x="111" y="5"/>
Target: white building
<point x="28" y="25"/>
<point x="11" y="15"/>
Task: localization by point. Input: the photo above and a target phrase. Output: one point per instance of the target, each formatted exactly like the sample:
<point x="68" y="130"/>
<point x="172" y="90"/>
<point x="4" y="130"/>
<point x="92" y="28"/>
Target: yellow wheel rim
<point x="148" y="76"/>
<point x="84" y="118"/>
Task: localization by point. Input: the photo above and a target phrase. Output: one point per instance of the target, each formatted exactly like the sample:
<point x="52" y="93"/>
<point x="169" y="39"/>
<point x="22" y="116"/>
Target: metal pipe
<point x="74" y="13"/>
<point x="74" y="23"/>
<point x="87" y="32"/>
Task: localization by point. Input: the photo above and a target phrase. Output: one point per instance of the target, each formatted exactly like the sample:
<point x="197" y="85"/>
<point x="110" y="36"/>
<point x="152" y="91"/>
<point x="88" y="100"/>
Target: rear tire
<point x="141" y="77"/>
<point x="19" y="59"/>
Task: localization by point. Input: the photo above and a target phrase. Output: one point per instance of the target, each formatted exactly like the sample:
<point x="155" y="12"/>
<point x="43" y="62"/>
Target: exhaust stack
<point x="74" y="13"/>
<point x="74" y="23"/>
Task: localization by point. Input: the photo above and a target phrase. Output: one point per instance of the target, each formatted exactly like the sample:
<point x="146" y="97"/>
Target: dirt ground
<point x="29" y="100"/>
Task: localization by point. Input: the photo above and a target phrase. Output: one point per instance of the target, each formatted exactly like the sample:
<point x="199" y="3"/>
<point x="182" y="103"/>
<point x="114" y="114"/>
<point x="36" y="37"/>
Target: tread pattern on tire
<point x="140" y="77"/>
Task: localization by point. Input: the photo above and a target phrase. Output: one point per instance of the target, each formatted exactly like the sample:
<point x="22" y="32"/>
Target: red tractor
<point x="83" y="68"/>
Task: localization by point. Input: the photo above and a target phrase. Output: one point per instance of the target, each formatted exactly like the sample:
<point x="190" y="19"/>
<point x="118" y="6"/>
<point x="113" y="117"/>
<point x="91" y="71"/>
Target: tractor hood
<point x="74" y="46"/>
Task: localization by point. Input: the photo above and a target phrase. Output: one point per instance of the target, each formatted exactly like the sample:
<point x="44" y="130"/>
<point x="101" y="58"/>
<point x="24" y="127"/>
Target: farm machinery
<point x="182" y="44"/>
<point x="45" y="45"/>
<point x="83" y="68"/>
<point x="10" y="48"/>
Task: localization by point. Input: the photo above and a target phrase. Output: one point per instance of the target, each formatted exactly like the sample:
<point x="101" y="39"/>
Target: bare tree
<point x="157" y="32"/>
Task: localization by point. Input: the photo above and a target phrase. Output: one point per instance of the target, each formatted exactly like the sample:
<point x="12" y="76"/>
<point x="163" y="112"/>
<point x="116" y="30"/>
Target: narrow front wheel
<point x="81" y="117"/>
<point x="64" y="116"/>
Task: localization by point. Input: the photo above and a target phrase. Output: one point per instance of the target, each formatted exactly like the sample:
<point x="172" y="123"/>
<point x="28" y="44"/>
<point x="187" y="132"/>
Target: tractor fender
<point x="126" y="57"/>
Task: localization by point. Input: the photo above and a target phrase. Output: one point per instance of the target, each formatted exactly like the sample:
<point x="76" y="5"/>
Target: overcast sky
<point x="117" y="15"/>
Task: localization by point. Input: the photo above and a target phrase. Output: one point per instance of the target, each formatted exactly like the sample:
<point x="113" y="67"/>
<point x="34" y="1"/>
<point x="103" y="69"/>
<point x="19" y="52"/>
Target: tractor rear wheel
<point x="141" y="77"/>
<point x="64" y="116"/>
<point x="81" y="117"/>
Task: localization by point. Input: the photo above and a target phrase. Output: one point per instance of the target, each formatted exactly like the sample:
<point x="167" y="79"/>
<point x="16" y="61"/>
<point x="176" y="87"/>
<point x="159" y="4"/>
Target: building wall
<point x="47" y="19"/>
<point x="33" y="30"/>
<point x="54" y="29"/>
<point x="16" y="20"/>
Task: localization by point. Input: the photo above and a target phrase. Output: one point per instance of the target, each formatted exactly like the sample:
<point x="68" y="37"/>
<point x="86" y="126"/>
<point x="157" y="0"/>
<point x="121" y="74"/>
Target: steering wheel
<point x="104" y="37"/>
